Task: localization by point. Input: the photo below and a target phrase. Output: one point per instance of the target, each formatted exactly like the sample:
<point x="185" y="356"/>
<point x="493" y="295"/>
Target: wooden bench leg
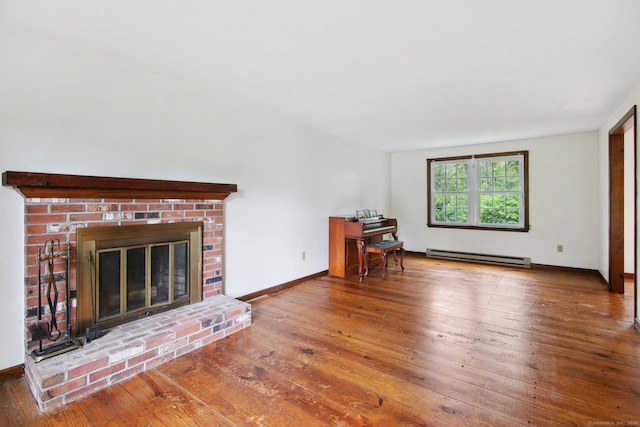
<point x="366" y="266"/>
<point x="395" y="259"/>
<point x="383" y="262"/>
<point x="362" y="259"/>
<point x="383" y="259"/>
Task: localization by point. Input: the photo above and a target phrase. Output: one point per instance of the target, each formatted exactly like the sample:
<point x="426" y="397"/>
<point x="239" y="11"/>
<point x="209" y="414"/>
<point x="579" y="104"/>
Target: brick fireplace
<point x="56" y="206"/>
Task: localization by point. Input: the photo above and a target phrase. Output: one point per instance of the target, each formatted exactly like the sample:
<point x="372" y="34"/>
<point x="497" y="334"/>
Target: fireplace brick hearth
<point x="132" y="348"/>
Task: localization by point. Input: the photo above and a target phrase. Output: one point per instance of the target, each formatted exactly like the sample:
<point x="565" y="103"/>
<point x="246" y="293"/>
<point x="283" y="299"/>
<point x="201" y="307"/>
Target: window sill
<point x="524" y="229"/>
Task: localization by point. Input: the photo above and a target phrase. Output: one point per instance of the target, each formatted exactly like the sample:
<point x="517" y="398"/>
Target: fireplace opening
<point x="133" y="271"/>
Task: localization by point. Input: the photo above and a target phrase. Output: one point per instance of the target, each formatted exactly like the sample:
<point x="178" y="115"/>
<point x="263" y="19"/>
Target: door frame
<point x="616" y="203"/>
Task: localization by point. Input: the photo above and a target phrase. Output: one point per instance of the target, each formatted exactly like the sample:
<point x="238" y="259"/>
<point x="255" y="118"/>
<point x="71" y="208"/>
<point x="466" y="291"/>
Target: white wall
<point x="63" y="110"/>
<point x="563" y="207"/>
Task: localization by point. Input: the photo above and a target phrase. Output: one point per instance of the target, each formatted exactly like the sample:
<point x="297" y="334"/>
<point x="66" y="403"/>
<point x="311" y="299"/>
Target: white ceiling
<point x="393" y="74"/>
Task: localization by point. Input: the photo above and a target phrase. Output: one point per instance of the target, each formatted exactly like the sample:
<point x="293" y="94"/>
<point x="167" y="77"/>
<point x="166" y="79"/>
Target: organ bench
<point x="382" y="248"/>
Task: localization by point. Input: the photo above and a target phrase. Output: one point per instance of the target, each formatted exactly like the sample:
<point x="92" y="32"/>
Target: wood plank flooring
<point x="442" y="344"/>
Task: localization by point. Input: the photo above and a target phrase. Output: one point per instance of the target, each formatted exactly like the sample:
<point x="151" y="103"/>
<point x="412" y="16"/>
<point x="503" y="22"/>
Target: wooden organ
<point x="347" y="238"/>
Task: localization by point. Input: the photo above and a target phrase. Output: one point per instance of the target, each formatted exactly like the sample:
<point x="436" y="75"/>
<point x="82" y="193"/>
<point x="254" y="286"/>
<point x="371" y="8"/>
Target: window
<point x="488" y="191"/>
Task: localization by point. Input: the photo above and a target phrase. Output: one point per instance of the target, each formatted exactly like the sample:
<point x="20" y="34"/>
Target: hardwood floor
<point x="443" y="343"/>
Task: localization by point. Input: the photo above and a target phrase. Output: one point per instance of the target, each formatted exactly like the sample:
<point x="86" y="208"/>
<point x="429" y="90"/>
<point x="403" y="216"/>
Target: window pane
<point x="486" y="216"/>
<point x="486" y="201"/>
<point x="180" y="270"/>
<point x="485" y="169"/>
<point x="500" y="209"/>
<point x="512" y="184"/>
<point x="513" y="216"/>
<point x="439" y="185"/>
<point x="455" y="208"/>
<point x="109" y="280"/>
<point x="512" y="201"/>
<point x="438" y="207"/>
<point x="159" y="274"/>
<point x="462" y="204"/>
<point x="486" y="208"/>
<point x="136" y="281"/>
<point x="450" y="208"/>
<point x="485" y="184"/>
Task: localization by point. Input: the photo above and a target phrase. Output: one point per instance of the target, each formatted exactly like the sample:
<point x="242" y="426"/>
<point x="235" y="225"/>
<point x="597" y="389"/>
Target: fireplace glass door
<point x="130" y="279"/>
<point x="133" y="271"/>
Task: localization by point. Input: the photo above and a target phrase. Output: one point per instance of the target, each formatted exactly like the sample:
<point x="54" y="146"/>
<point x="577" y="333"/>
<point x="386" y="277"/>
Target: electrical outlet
<point x="560" y="248"/>
<point x="304" y="255"/>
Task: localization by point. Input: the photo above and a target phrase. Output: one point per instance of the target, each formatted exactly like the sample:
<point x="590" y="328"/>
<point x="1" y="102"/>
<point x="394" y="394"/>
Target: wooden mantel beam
<point x="47" y="185"/>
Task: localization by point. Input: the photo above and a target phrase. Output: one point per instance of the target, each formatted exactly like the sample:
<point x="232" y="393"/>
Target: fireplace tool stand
<point x="42" y="330"/>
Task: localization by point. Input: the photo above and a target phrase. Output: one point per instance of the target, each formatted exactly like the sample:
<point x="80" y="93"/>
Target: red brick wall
<point x="47" y="219"/>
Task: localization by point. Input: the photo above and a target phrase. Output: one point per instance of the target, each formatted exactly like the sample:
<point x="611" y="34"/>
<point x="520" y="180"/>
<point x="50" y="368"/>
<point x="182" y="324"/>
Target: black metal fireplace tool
<point x="41" y="330"/>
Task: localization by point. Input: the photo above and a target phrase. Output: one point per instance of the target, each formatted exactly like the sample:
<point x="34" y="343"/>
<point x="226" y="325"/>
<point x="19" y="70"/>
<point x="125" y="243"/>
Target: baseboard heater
<point x="482" y="258"/>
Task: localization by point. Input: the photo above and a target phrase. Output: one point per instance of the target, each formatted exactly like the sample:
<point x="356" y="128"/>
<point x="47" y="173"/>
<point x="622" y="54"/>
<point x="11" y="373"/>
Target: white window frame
<point x="474" y="192"/>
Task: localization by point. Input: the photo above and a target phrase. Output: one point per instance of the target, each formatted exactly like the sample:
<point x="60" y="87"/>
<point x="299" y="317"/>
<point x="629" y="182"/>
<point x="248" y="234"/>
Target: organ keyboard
<point x="379" y="230"/>
<point x="347" y="237"/>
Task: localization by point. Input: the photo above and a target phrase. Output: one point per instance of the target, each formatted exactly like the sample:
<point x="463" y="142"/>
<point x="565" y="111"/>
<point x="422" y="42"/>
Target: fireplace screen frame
<point x="93" y="239"/>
